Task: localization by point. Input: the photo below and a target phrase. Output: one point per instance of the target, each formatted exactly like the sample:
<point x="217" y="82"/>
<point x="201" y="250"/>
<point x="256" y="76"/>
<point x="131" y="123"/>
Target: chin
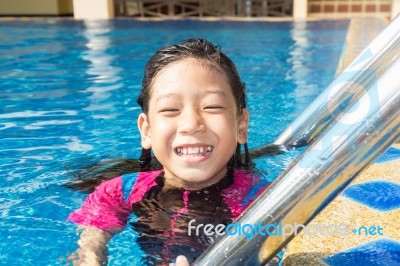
<point x="195" y="178"/>
<point x="198" y="177"/>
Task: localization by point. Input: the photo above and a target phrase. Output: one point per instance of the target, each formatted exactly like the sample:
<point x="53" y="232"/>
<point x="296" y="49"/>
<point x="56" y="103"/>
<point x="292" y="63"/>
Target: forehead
<point x="190" y="75"/>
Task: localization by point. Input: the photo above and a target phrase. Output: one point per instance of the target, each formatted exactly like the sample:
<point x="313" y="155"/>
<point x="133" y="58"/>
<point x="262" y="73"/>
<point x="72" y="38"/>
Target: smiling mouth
<point x="194" y="151"/>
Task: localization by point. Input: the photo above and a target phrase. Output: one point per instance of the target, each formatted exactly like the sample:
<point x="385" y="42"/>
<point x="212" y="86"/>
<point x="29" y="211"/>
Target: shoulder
<point x="135" y="185"/>
<point x="246" y="178"/>
<point x="246" y="186"/>
<point x="243" y="181"/>
<point x="103" y="208"/>
<point x="254" y="184"/>
<point x="109" y="188"/>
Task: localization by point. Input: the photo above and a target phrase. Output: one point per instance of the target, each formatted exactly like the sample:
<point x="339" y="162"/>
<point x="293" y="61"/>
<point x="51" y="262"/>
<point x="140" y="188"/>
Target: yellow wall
<point x="36" y="7"/>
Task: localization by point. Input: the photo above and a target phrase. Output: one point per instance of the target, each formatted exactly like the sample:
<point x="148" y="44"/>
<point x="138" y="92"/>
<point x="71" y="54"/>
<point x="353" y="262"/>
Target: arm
<point x="92" y="247"/>
<point x="103" y="214"/>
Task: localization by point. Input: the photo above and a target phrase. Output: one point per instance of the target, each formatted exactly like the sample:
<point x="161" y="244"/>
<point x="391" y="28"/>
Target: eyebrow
<point x="220" y="93"/>
<point x="168" y="95"/>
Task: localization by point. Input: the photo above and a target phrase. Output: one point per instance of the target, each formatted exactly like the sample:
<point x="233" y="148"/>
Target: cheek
<point x="161" y="126"/>
<point x="225" y="126"/>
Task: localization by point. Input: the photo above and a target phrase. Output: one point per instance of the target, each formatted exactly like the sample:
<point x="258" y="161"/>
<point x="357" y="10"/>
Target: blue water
<point x="68" y="98"/>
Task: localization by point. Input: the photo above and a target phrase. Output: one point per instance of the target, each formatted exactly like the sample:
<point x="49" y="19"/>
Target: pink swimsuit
<point x="163" y="215"/>
<point x="110" y="204"/>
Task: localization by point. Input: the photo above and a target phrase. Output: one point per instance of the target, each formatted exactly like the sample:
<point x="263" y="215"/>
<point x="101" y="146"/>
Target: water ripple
<point x="39" y="125"/>
<point x="7" y="125"/>
<point x="30" y="113"/>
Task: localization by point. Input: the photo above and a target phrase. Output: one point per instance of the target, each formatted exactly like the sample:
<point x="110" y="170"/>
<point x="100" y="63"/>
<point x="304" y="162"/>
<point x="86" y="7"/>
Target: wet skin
<point x="193" y="125"/>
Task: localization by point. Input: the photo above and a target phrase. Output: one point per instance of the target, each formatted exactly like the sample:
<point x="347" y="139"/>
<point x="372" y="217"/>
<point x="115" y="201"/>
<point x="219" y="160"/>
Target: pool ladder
<point x="353" y="121"/>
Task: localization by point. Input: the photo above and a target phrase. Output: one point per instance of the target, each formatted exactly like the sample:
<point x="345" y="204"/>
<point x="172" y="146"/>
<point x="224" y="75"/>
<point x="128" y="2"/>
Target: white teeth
<point x="193" y="150"/>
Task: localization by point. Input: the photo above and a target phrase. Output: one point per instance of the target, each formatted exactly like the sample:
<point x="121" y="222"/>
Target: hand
<point x="180" y="261"/>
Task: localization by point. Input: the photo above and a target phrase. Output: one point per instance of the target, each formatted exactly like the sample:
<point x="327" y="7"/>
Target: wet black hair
<point x="200" y="49"/>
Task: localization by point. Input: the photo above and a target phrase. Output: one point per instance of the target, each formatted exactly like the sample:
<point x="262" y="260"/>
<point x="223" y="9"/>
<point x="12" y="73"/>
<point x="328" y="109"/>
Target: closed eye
<point x="169" y="110"/>
<point x="214" y="107"/>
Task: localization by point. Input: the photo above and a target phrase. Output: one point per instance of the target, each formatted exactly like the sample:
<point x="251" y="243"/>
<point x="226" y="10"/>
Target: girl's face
<point x="193" y="124"/>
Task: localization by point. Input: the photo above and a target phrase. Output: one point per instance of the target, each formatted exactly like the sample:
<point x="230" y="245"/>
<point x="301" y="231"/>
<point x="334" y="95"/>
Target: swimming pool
<point x="68" y="97"/>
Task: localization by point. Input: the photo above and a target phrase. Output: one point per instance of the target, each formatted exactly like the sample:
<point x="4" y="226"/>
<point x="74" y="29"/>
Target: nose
<point x="191" y="121"/>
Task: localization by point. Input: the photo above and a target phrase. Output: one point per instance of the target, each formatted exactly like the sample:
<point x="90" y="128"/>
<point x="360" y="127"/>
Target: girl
<point x="194" y="120"/>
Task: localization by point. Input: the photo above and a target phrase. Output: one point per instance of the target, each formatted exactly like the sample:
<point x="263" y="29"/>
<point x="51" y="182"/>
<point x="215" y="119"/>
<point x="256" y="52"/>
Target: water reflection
<point x="301" y="70"/>
<point x="103" y="76"/>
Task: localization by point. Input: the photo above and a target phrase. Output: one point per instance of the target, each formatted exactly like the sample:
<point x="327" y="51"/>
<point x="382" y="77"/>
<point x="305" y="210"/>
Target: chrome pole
<point x="348" y="145"/>
<point x="347" y="88"/>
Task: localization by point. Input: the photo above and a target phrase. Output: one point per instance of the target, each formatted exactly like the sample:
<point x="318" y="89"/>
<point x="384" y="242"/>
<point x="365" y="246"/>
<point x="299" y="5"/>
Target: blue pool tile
<point x="389" y="155"/>
<point x="382" y="252"/>
<point x="379" y="195"/>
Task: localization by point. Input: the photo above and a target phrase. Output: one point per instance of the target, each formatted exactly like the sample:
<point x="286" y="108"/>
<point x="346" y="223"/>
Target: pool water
<point x="68" y="98"/>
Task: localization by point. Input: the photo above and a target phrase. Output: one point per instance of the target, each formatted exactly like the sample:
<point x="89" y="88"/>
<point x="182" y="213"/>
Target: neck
<point x="169" y="184"/>
<point x="175" y="182"/>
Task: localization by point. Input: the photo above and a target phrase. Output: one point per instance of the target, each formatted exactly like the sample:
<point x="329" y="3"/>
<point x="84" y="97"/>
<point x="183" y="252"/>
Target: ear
<point x="145" y="131"/>
<point x="243" y="125"/>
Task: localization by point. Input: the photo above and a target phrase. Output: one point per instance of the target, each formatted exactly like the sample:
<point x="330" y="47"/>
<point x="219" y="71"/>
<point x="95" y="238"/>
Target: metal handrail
<point x="347" y="87"/>
<point x="348" y="143"/>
